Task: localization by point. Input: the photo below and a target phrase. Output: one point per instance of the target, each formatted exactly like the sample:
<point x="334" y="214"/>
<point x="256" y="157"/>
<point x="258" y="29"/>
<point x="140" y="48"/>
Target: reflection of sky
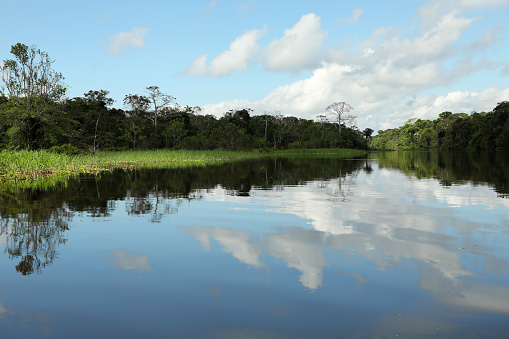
<point x="123" y="260"/>
<point x="300" y="249"/>
<point x="238" y="243"/>
<point x="388" y="219"/>
<point x="381" y="253"/>
<point x="4" y="312"/>
<point x="3" y="239"/>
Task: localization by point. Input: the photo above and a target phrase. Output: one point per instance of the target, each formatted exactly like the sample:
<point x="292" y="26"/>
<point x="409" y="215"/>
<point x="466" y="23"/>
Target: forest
<point x="458" y="131"/>
<point x="36" y="114"/>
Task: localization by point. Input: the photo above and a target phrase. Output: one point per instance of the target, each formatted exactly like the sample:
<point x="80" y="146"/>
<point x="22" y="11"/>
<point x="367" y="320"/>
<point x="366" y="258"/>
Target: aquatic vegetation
<point x="44" y="169"/>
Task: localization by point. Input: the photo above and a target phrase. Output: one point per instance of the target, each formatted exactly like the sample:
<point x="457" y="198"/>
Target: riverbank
<point x="30" y="166"/>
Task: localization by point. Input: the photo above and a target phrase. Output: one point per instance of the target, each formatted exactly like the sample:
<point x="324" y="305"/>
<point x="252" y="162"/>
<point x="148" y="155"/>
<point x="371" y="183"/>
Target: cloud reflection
<point x="388" y="219"/>
<point x="238" y="243"/>
<point x="482" y="296"/>
<point x="123" y="260"/>
<point x="300" y="249"/>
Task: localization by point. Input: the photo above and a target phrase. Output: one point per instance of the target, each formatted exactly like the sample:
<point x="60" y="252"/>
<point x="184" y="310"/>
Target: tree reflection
<point x="34" y="221"/>
<point x="34" y="230"/>
<point x="452" y="167"/>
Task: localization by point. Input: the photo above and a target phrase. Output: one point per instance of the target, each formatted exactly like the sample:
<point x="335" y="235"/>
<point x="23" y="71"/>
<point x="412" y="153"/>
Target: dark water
<point x="410" y="244"/>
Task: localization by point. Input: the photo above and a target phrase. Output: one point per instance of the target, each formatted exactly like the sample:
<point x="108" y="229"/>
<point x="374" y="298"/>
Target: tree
<point x="98" y="101"/>
<point x="367" y="133"/>
<point x="136" y="105"/>
<point x="444" y="115"/>
<point x="34" y="90"/>
<point x="176" y="130"/>
<point x="158" y="101"/>
<point x="29" y="76"/>
<point x="340" y="112"/>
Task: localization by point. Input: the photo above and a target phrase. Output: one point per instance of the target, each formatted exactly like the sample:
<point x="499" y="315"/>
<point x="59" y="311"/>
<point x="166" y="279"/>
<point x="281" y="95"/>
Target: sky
<point x="391" y="61"/>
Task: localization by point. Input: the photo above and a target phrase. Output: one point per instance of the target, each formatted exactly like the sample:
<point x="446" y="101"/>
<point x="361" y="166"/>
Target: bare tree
<point x="340" y="112"/>
<point x="158" y="101"/>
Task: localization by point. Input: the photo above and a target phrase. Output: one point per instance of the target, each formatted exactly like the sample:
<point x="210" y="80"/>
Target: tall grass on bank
<point x="30" y="165"/>
<point x="29" y="168"/>
<point x="144" y="158"/>
<point x="17" y="166"/>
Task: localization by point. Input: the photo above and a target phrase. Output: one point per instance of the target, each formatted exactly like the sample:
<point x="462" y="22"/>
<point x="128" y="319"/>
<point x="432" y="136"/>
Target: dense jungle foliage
<point x="35" y="114"/>
<point x="478" y="131"/>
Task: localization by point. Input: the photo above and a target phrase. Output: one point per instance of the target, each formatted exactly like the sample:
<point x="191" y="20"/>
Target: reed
<point x="31" y="167"/>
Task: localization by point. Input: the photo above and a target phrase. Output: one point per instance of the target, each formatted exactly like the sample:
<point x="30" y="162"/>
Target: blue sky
<point x="391" y="60"/>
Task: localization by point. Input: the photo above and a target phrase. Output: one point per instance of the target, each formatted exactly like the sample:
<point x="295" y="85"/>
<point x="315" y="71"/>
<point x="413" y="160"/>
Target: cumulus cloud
<point x="237" y="58"/>
<point x="298" y="48"/>
<point x="120" y="42"/>
<point x="389" y="77"/>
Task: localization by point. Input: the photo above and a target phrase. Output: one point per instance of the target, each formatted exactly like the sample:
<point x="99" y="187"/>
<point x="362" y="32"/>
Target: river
<point x="409" y="244"/>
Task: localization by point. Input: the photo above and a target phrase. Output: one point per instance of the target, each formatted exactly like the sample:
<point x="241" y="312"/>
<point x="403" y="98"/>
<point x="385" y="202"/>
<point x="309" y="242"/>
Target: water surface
<point x="400" y="244"/>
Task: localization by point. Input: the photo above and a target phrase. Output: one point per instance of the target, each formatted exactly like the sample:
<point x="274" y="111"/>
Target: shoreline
<point x="27" y="167"/>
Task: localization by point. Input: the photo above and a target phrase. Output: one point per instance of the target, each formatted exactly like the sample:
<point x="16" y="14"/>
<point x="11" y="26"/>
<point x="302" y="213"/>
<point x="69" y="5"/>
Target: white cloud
<point x="299" y="47"/>
<point x="466" y="101"/>
<point x="123" y="40"/>
<point x="433" y="10"/>
<point x="356" y="14"/>
<point x="237" y="58"/>
<point x="382" y="77"/>
<point x="428" y="107"/>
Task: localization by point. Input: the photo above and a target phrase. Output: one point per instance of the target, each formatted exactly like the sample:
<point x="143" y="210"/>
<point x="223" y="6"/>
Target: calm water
<point x="400" y="244"/>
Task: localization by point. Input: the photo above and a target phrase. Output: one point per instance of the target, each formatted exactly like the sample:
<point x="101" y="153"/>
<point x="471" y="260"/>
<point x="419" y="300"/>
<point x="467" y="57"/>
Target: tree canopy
<point x="477" y="131"/>
<point x="35" y="114"/>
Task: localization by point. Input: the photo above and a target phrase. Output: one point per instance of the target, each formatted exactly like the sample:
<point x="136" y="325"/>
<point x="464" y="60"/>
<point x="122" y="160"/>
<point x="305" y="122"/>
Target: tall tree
<point x="158" y="101"/>
<point x="340" y="112"/>
<point x="33" y="89"/>
<point x="29" y="76"/>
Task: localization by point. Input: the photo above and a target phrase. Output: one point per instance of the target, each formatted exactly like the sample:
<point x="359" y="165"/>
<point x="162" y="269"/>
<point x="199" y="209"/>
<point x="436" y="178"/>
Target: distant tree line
<point x="477" y="131"/>
<point x="36" y="114"/>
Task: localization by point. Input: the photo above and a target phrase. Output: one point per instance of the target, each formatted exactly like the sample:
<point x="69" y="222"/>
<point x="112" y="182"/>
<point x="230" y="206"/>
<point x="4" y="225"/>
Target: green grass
<point x="29" y="168"/>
